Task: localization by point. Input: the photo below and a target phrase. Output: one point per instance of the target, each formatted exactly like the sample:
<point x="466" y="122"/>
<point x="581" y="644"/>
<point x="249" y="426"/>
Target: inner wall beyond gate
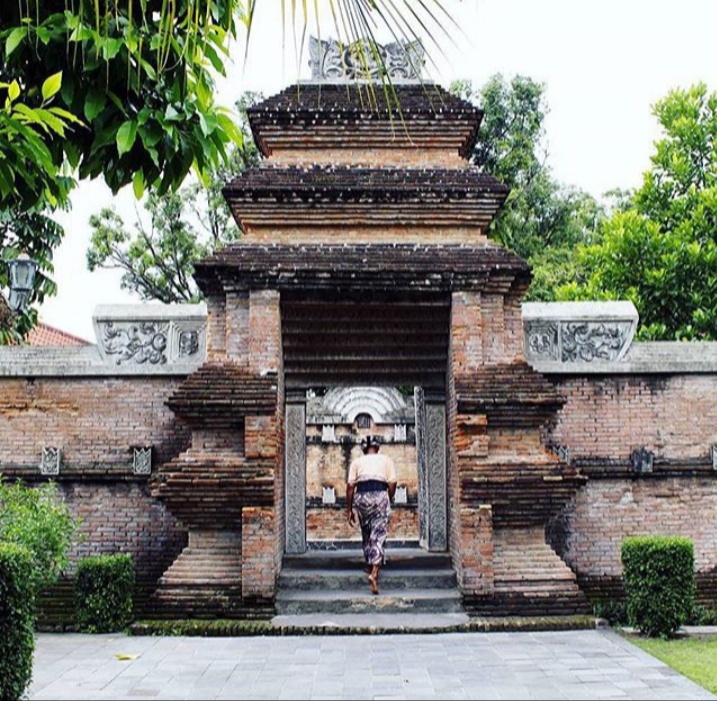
<point x="355" y="344"/>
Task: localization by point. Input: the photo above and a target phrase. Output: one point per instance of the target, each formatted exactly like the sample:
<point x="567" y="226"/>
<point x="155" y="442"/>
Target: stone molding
<point x="547" y="349"/>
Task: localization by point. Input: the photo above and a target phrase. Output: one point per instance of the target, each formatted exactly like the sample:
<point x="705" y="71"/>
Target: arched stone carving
<point x="384" y="404"/>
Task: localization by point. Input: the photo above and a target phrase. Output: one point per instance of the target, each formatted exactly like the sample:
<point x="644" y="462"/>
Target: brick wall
<point x="406" y="157"/>
<point x="95" y="421"/>
<point x="363" y="232"/>
<point x="608" y="417"/>
<point x="591" y="529"/>
<point x="604" y="420"/>
<point x="123" y="517"/>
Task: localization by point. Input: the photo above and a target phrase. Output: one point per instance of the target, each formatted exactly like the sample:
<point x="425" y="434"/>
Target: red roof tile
<point x="46" y="335"/>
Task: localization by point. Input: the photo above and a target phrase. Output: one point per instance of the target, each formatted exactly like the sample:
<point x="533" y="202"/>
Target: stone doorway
<point x="324" y="428"/>
<point x="366" y="350"/>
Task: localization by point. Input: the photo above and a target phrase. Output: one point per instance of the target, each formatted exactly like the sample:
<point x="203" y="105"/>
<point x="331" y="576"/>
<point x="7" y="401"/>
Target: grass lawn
<point x="694" y="657"/>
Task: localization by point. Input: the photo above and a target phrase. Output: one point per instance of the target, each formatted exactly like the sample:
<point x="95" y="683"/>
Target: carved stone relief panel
<point x="437" y="494"/>
<point x="295" y="478"/>
<point x="331" y="60"/>
<point x="141" y="343"/>
<point x="142" y="463"/>
<point x="578" y="332"/>
<point x="151" y="335"/>
<point x="422" y="464"/>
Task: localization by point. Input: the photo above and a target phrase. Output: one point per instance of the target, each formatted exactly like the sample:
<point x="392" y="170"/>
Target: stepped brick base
<point x="205" y="581"/>
<point x="530" y="578"/>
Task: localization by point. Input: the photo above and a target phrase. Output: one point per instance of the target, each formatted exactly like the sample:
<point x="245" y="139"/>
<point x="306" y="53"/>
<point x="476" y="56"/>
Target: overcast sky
<point x="603" y="62"/>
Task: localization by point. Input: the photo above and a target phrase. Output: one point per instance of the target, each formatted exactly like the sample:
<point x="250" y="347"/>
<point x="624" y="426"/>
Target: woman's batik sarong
<point x="374" y="510"/>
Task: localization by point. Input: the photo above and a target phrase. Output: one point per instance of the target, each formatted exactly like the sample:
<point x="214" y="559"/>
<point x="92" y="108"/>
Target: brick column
<point x="476" y="575"/>
<point x="237" y="327"/>
<point x="264" y="332"/>
<point x="258" y="568"/>
<point x="492" y="307"/>
<point x="513" y="314"/>
<point x="216" y="328"/>
<point x="467" y="336"/>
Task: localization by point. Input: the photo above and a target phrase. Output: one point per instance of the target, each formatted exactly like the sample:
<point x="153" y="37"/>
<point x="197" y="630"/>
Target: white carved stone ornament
<point x="714" y="457"/>
<point x="328" y="433"/>
<point x="399" y="433"/>
<point x="142" y="461"/>
<point x="51" y="459"/>
<point x="401" y="495"/>
<point x="365" y="60"/>
<point x="329" y="495"/>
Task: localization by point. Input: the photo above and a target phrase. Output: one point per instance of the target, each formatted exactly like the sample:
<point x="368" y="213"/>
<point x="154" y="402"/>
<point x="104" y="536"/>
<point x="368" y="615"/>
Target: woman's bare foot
<point x="373" y="579"/>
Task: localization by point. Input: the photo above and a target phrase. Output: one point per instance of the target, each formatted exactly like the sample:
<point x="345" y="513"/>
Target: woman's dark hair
<point x="370" y="441"/>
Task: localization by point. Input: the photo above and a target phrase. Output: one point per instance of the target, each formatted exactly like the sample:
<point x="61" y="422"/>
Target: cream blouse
<point x="372" y="466"/>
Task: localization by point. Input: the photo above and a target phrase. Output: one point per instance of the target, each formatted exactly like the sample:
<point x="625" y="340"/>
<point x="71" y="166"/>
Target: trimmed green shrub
<point x="659" y="576"/>
<point x="17" y="620"/>
<point x="104" y="587"/>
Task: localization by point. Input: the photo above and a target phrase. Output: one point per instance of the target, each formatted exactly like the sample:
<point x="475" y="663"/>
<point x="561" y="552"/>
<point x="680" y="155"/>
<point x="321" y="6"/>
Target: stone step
<point x="353" y="601"/>
<point x="535" y="575"/>
<point x="396" y="559"/>
<point x="340" y="579"/>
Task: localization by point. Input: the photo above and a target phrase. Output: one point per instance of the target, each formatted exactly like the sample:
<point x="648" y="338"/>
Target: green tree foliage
<point x="157" y="259"/>
<point x="124" y="91"/>
<point x="659" y="248"/>
<point x="137" y="86"/>
<point x="38" y="520"/>
<point x="138" y="73"/>
<point x="30" y="183"/>
<point x="542" y="220"/>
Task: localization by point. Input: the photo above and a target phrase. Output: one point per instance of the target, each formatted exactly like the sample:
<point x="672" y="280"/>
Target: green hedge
<point x="17" y="621"/>
<point x="659" y="576"/>
<point x="104" y="587"/>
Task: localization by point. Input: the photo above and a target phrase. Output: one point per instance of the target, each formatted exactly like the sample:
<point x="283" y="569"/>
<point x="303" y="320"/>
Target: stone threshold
<point x="362" y="624"/>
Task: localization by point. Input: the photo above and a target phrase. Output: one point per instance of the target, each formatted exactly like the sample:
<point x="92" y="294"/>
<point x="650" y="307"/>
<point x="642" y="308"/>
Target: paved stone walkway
<point x="594" y="664"/>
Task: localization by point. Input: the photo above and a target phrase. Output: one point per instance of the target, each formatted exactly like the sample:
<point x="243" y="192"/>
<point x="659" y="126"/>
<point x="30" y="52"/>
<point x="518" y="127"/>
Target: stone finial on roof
<point x="365" y="60"/>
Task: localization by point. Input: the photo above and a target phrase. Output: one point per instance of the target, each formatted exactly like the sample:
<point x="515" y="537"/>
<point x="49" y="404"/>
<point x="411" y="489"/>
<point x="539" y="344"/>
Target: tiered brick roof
<point x="363" y="266"/>
<point x="354" y="116"/>
<point x="343" y="195"/>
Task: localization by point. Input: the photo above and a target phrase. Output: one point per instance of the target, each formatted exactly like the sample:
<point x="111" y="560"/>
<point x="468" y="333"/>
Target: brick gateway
<point x="182" y="438"/>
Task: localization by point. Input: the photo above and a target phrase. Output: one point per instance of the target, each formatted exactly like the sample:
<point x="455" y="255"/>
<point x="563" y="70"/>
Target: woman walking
<point x="370" y="488"/>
